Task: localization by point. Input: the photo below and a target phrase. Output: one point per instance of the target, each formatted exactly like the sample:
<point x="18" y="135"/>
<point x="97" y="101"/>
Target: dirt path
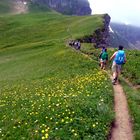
<point x="122" y="129"/>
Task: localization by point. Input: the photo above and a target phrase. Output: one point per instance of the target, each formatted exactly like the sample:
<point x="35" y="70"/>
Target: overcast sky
<point x="124" y="11"/>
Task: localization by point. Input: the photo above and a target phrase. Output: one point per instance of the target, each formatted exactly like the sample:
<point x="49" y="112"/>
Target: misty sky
<point x="124" y="11"/>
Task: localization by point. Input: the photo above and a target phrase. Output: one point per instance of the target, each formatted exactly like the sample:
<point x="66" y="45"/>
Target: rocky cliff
<point x="68" y="7"/>
<point x="100" y="37"/>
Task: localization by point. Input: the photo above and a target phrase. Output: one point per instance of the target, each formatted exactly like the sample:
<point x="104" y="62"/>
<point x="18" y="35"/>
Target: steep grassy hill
<point x="18" y="7"/>
<point x="48" y="90"/>
<point x="5" y="6"/>
<point x="35" y="7"/>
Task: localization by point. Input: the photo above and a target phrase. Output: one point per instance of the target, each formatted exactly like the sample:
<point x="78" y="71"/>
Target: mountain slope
<point x="127" y="35"/>
<point x="48" y="90"/>
<point x="5" y="6"/>
<point x="71" y="7"/>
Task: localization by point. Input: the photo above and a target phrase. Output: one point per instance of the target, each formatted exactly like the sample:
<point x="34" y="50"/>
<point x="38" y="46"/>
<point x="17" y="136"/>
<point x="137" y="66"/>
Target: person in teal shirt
<point x="104" y="59"/>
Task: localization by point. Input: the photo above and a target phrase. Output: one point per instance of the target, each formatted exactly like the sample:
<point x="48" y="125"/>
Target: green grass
<point x="131" y="72"/>
<point x="132" y="67"/>
<point x="89" y="49"/>
<point x="5" y="6"/>
<point x="34" y="7"/>
<point x="133" y="97"/>
<point x="47" y="89"/>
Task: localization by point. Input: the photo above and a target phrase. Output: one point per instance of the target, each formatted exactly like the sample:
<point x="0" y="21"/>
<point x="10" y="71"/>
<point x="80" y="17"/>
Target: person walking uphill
<point x="119" y="58"/>
<point x="104" y="59"/>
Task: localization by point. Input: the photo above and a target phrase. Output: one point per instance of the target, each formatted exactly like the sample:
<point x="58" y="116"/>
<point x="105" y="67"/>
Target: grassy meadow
<point x="132" y="68"/>
<point x="48" y="90"/>
<point x="5" y="6"/>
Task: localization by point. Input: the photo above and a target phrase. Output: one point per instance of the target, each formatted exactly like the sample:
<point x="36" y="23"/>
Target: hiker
<point x="75" y="43"/>
<point x="119" y="58"/>
<point x="78" y="45"/>
<point x="104" y="59"/>
<point x="103" y="49"/>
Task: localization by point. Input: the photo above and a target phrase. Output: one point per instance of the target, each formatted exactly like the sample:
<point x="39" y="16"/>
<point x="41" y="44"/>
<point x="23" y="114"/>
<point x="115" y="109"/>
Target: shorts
<point x="116" y="68"/>
<point x="103" y="61"/>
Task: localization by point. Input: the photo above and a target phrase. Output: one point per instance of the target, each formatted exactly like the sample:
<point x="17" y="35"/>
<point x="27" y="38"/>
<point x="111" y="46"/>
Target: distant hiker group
<point x="119" y="58"/>
<point x="75" y="44"/>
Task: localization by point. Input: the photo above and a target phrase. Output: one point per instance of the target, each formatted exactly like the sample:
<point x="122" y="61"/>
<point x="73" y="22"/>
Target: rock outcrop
<point x="68" y="7"/>
<point x="100" y="38"/>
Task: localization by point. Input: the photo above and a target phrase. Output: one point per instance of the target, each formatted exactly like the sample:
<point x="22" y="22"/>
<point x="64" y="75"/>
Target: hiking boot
<point x="114" y="80"/>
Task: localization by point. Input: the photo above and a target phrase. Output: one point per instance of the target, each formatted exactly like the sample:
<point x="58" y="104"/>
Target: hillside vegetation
<point x="5" y="6"/>
<point x="133" y="97"/>
<point x="71" y="7"/>
<point x="48" y="90"/>
<point x="132" y="68"/>
<point x="18" y="7"/>
<point x="132" y="73"/>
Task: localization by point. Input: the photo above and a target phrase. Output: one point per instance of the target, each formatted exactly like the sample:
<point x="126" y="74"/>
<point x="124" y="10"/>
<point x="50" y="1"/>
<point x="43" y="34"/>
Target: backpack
<point x="100" y="55"/>
<point x="119" y="58"/>
<point x="103" y="50"/>
<point x="104" y="56"/>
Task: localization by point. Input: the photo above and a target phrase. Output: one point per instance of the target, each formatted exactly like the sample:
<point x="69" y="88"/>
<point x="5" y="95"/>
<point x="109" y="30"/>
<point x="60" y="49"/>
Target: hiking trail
<point x="122" y="129"/>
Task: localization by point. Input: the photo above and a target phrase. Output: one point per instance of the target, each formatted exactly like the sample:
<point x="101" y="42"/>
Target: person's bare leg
<point x="118" y="74"/>
<point x="104" y="66"/>
<point x="115" y="77"/>
<point x="101" y="65"/>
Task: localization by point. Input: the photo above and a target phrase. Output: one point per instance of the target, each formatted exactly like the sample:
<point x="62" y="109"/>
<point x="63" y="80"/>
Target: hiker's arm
<point x="112" y="57"/>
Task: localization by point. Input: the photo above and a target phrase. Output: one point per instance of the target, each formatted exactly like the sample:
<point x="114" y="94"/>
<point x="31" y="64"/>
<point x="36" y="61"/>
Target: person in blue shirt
<point x="119" y="58"/>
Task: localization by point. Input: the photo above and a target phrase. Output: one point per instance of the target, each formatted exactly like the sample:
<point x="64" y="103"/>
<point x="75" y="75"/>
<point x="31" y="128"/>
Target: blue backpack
<point x="119" y="58"/>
